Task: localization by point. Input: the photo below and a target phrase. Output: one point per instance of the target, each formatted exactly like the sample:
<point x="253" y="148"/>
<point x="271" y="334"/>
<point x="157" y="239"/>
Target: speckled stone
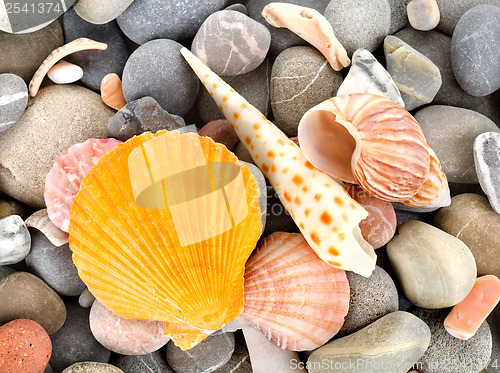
<point x="416" y="76"/>
<point x="10" y="207"/>
<point x="253" y="86"/>
<point x="151" y="363"/>
<point x="54" y="265"/>
<point x="207" y="356"/>
<point x="91" y="367"/>
<point x="371" y="298"/>
<point x="434" y="268"/>
<point x="475" y="50"/>
<point x="240" y="360"/>
<point x="449" y="354"/>
<point x="58" y="117"/>
<point x="399" y="19"/>
<point x="96" y="64"/>
<point x="487" y="163"/>
<point x="86" y="298"/>
<point x="493" y="321"/>
<point x="451" y="132"/>
<point x="100" y="11"/>
<point x="261" y="183"/>
<point x="74" y="342"/>
<point x="301" y="78"/>
<point x="231" y="43"/>
<point x="13" y="99"/>
<point x="25" y="296"/>
<point x="220" y="131"/>
<point x="145" y="20"/>
<point x="396" y="338"/>
<point x="155" y="66"/>
<point x="471" y="219"/>
<point x="139" y="116"/>
<point x="24" y="347"/>
<point x="15" y="240"/>
<point x="359" y="23"/>
<point x="22" y="54"/>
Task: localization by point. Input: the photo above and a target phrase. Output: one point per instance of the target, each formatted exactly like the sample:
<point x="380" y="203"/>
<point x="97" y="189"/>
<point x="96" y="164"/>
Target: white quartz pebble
<point x="65" y="72"/>
<point x="423" y="14"/>
<point x="15" y="240"/>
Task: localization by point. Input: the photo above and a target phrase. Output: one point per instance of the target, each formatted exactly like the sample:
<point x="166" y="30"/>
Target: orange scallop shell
<point x="153" y="239"/>
<point x="368" y="140"/>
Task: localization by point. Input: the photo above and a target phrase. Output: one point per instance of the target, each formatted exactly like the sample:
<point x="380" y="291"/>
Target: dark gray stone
<point x="487" y="164"/>
<point x="399" y="18"/>
<point x="5" y="271"/>
<point x="238" y="8"/>
<point x="140" y="116"/>
<point x="54" y="265"/>
<point x="157" y="69"/>
<point x="13" y="99"/>
<point x="151" y="363"/>
<point x="96" y="64"/>
<point x="278" y="219"/>
<point x="240" y="360"/>
<point x="145" y="20"/>
<point x="74" y="342"/>
<point x="475" y="50"/>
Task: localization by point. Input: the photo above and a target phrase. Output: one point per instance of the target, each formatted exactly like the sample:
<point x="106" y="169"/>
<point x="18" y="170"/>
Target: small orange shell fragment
<point x="111" y="91"/>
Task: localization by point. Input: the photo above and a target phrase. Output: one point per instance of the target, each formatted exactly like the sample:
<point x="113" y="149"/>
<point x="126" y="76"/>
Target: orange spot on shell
<point x="326" y="218"/>
<point x="273" y="168"/>
<point x="315" y="238"/>
<point x="305" y="189"/>
<point x="317" y="197"/>
<point x="256" y="156"/>
<point x="265" y="167"/>
<point x="338" y="201"/>
<point x="309" y="165"/>
<point x="297" y="180"/>
<point x="271" y="154"/>
<point x="236" y="115"/>
<point x="257" y="135"/>
<point x="341" y="237"/>
<point x="251" y="146"/>
<point x="256" y="126"/>
<point x="287" y="196"/>
<point x="333" y="251"/>
<point x="302" y="226"/>
<point x="282" y="154"/>
<point x="285" y="170"/>
<point x="335" y="264"/>
<point x="248" y="140"/>
<point x="306" y="212"/>
<point x="297" y="201"/>
<point x="335" y="229"/>
<point x="231" y="90"/>
<point x="224" y="99"/>
<point x="281" y="142"/>
<point x="214" y="85"/>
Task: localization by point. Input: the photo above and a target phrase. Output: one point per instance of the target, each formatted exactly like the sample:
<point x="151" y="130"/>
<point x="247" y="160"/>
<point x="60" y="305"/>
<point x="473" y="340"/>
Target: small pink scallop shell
<point x="292" y="296"/>
<point x="63" y="180"/>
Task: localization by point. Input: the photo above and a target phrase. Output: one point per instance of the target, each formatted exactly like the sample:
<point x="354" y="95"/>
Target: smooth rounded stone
<point x="367" y="75"/>
<point x="139" y="116"/>
<point x="145" y="20"/>
<point x="301" y="78"/>
<point x="261" y="183"/>
<point x="451" y="131"/>
<point x="152" y="362"/>
<point x="206" y="357"/>
<point x="423" y="14"/>
<point x="220" y="131"/>
<point x="13" y="100"/>
<point x="26" y="17"/>
<point x="493" y="321"/>
<point x="278" y="219"/>
<point x="487" y="163"/>
<point x="54" y="265"/>
<point x="437" y="47"/>
<point x="5" y="271"/>
<point x="25" y="296"/>
<point x="242" y="153"/>
<point x="452" y="10"/>
<point x="74" y="342"/>
<point x="416" y="76"/>
<point x="449" y="354"/>
<point x="24" y="347"/>
<point x="126" y="336"/>
<point x="231" y="43"/>
<point x="92" y="367"/>
<point x="253" y="86"/>
<point x="390" y="344"/>
<point x="100" y="11"/>
<point x="57" y="118"/>
<point x="371" y="298"/>
<point x="22" y="54"/>
<point x="240" y="359"/>
<point x="10" y="207"/>
<point x="48" y="369"/>
<point x="238" y="8"/>
<point x="282" y="38"/>
<point x="15" y="240"/>
<point x="434" y="268"/>
<point x="359" y="23"/>
<point x="64" y="72"/>
<point x="86" y="298"/>
<point x="96" y="64"/>
<point x="471" y="219"/>
<point x="154" y="67"/>
<point x="475" y="50"/>
<point x="399" y="18"/>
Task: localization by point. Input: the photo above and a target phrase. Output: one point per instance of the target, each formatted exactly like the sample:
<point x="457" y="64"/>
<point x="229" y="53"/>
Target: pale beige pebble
<point x="100" y="11"/>
<point x="41" y="221"/>
<point x="65" y="73"/>
<point x="423" y="14"/>
<point x="92" y="367"/>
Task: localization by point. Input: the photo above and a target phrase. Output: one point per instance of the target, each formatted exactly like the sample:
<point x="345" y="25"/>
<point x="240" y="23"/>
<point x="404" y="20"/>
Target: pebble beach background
<point x="445" y="65"/>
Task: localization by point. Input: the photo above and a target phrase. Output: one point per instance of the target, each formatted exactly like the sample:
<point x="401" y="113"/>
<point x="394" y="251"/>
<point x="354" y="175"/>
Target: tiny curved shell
<point x="40" y="220"/>
<point x="311" y="26"/>
<point x="297" y="300"/>
<point x="367" y="140"/>
<point x="111" y="91"/>
<point x="64" y="73"/>
<point x="63" y="180"/>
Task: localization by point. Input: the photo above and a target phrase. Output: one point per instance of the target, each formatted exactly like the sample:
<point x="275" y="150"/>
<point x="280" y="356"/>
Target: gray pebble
<point x="150" y="363"/>
<point x="91" y="367"/>
<point x="13" y="100"/>
<point x="86" y="298"/>
<point x="5" y="271"/>
<point x="100" y="11"/>
<point x="155" y="66"/>
<point x="487" y="163"/>
<point x="238" y="8"/>
<point x="15" y="240"/>
<point x="240" y="359"/>
<point x="399" y="18"/>
<point x="278" y="219"/>
<point x="301" y="78"/>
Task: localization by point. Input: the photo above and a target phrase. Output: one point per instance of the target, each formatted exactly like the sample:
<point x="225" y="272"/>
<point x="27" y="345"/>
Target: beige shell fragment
<point x="41" y="221"/>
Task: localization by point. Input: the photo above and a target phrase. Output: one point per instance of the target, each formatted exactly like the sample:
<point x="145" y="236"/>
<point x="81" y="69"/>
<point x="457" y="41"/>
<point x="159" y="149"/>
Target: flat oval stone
<point x="301" y="78"/>
<point x="423" y="14"/>
<point x="15" y="240"/>
<point x="475" y="50"/>
<point x="54" y="265"/>
<point x="126" y="336"/>
<point x="100" y="11"/>
<point x="471" y="219"/>
<point x="434" y="268"/>
<point x="13" y="99"/>
<point x="156" y="65"/>
<point x="58" y="117"/>
<point x="359" y="23"/>
<point x="145" y="20"/>
<point x="152" y="362"/>
<point x="487" y="162"/>
<point x="393" y="341"/>
<point x="91" y="367"/>
<point x="24" y="347"/>
<point x="25" y="296"/>
<point x="64" y="72"/>
<point x="451" y="131"/>
<point x="231" y="43"/>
